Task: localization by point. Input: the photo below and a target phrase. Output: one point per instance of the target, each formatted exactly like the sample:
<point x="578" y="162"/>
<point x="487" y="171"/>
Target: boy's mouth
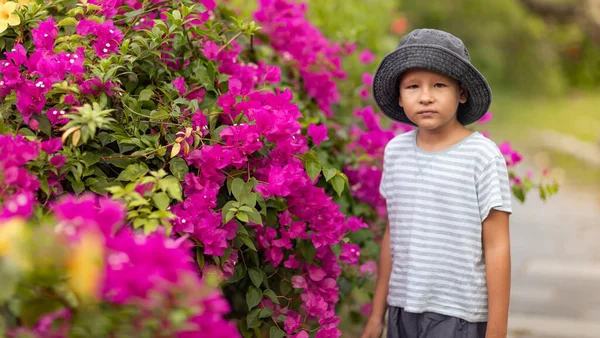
<point x="426" y="113"/>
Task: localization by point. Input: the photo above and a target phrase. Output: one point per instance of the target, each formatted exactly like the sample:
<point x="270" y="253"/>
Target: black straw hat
<point x="437" y="51"/>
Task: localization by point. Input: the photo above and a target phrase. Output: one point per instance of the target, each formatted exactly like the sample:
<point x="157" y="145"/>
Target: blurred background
<point x="542" y="59"/>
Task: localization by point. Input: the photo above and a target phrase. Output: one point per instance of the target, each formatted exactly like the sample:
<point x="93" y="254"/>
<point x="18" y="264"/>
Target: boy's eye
<point x="440" y="85"/>
<point x="412" y="87"/>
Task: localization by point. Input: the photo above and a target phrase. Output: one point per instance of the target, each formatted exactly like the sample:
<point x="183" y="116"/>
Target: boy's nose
<point x="426" y="97"/>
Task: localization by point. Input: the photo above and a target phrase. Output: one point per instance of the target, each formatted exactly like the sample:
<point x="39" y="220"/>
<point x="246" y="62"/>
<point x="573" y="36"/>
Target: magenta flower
<point x="292" y="322"/>
<point x="45" y="35"/>
<point x="485" y="118"/>
<point x="366" y="56"/>
<point x="318" y="133"/>
<point x="367" y="79"/>
<point x="179" y="84"/>
<point x="369" y="267"/>
<point x="58" y="160"/>
<point x="30" y="98"/>
<point x="210" y="50"/>
<point x="350" y="254"/>
<point x="56" y="116"/>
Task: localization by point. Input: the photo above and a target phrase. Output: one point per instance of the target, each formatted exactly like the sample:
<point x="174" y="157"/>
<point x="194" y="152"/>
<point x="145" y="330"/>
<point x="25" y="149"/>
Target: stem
<point x="229" y="42"/>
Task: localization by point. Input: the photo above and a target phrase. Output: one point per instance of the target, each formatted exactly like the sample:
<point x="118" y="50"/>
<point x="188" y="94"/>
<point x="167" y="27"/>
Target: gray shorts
<point x="402" y="324"/>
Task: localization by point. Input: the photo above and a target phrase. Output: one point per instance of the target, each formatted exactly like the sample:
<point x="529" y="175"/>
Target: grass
<point x="574" y="114"/>
<point x="577" y="115"/>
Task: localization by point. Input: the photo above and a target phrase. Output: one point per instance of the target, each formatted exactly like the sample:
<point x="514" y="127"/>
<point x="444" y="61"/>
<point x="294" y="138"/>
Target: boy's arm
<point x="496" y="246"/>
<point x="384" y="270"/>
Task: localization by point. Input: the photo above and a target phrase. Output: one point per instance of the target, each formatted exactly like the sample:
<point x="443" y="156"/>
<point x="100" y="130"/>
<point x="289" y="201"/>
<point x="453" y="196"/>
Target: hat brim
<point x="386" y="90"/>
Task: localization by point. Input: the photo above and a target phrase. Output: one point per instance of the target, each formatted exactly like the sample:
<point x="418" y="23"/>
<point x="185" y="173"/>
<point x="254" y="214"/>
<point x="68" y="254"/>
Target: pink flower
<point x="96" y="87"/>
<point x="299" y="282"/>
<point x="58" y="160"/>
<point x="45" y="34"/>
<point x="179" y="84"/>
<point x="34" y="124"/>
<point x="18" y="205"/>
<point x="369" y="267"/>
<point x="292" y="322"/>
<point x="210" y="50"/>
<point x="315" y="273"/>
<point x="291" y="262"/>
<point x="56" y="116"/>
<point x="366" y="56"/>
<point x="366" y="309"/>
<point x="318" y="133"/>
<point x="364" y="93"/>
<point x="52" y="145"/>
<point x="486" y="118"/>
<point x="367" y="79"/>
<point x="301" y="334"/>
<point x="350" y="254"/>
<point x="30" y="98"/>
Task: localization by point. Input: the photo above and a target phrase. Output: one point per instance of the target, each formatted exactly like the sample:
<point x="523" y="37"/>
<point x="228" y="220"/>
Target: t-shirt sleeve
<point x="383" y="183"/>
<point x="493" y="188"/>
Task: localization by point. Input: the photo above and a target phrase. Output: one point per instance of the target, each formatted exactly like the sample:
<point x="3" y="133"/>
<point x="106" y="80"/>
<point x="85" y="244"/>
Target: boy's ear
<point x="400" y="100"/>
<point x="464" y="94"/>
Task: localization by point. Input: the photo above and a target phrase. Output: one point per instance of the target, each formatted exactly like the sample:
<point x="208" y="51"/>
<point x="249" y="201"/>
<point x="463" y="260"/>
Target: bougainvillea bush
<point x="154" y="150"/>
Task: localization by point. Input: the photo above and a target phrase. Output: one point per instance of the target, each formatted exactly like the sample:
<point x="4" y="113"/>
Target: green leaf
<point x="285" y="287"/>
<point x="337" y="250"/>
<point x="230" y="215"/>
<point x="78" y="187"/>
<point x="179" y="168"/>
<point x="236" y="187"/>
<point x="308" y="251"/>
<point x="145" y="95"/>
<point x="338" y="184"/>
<point x="133" y="172"/>
<point x="252" y="318"/>
<point x="543" y="194"/>
<point x="89" y="158"/>
<point x="518" y="192"/>
<point x="242" y="216"/>
<point x="276" y="332"/>
<point x="68" y="21"/>
<point x="199" y="258"/>
<point x="250" y="200"/>
<point x="161" y="200"/>
<point x="329" y="173"/>
<point x="254" y="217"/>
<point x="246" y="240"/>
<point x="253" y="297"/>
<point x="265" y="312"/>
<point x="172" y="186"/>
<point x="272" y="296"/>
<point x="256" y="276"/>
<point x="150" y="226"/>
<point x="313" y="169"/>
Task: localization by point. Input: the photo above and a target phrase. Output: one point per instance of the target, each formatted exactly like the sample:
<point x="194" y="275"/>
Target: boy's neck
<point x="441" y="138"/>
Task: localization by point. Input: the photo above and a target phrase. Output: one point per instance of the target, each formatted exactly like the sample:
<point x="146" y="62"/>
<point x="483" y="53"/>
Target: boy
<point x="444" y="265"/>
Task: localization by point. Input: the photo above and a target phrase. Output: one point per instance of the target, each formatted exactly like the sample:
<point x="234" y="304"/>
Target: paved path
<point x="556" y="266"/>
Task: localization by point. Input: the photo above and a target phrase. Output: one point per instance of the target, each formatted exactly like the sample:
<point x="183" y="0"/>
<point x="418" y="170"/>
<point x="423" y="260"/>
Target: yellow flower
<point x="86" y="265"/>
<point x="24" y="2"/>
<point x="7" y="17"/>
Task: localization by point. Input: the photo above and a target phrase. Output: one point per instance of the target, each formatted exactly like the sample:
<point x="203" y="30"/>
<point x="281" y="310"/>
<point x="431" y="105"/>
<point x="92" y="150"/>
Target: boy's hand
<point x="373" y="329"/>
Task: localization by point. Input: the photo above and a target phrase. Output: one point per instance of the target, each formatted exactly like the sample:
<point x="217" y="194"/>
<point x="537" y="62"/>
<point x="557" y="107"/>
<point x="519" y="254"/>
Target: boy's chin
<point x="431" y="123"/>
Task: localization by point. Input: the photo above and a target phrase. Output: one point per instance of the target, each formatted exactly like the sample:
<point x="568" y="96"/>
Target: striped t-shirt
<point x="436" y="203"/>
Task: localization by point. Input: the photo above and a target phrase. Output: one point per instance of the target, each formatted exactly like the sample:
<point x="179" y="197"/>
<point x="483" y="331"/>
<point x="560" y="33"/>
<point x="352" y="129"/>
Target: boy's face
<point x="430" y="99"/>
